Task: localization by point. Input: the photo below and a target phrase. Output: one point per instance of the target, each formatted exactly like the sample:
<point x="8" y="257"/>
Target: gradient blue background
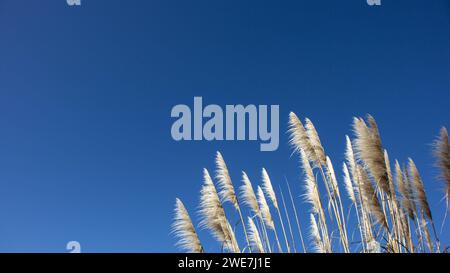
<point x="86" y="92"/>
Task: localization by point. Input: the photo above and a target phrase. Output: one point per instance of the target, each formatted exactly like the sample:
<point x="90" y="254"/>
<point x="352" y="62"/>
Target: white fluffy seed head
<point x="299" y="139"/>
<point x="311" y="190"/>
<point x="268" y="188"/>
<point x="315" y="141"/>
<point x="265" y="211"/>
<point x="248" y="194"/>
<point x="315" y="236"/>
<point x="254" y="237"/>
<point x="226" y="188"/>
<point x="213" y="216"/>
<point x="348" y="184"/>
<point x="350" y="157"/>
<point x="184" y="230"/>
<point x="332" y="177"/>
<point x="370" y="150"/>
<point x="420" y="195"/>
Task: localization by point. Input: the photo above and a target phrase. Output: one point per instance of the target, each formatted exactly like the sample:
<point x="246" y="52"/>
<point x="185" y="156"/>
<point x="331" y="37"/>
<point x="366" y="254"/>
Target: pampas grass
<point x="370" y="198"/>
<point x="268" y="190"/>
<point x="183" y="228"/>
<point x="250" y="199"/>
<point x="391" y="209"/>
<point x="267" y="215"/>
<point x="213" y="215"/>
<point x="248" y="194"/>
<point x="299" y="139"/>
<point x="442" y="154"/>
<point x="350" y="156"/>
<point x="255" y="239"/>
<point x="265" y="210"/>
<point x="420" y="195"/>
<point x="227" y="189"/>
<point x="405" y="191"/>
<point x="308" y="144"/>
<point x="370" y="150"/>
<point x="314" y="139"/>
<point x="311" y="188"/>
<point x="318" y="244"/>
<point x="348" y="184"/>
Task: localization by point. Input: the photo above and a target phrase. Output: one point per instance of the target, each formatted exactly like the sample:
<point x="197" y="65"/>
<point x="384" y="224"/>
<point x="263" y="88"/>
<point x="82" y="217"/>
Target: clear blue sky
<point x="86" y="92"/>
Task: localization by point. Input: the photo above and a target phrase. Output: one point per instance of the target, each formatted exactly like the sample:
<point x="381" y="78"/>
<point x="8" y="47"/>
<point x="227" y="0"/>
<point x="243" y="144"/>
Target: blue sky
<point x="86" y="92"/>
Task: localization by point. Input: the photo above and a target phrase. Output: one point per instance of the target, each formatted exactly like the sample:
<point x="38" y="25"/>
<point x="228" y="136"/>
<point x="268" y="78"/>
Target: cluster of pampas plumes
<point x="389" y="203"/>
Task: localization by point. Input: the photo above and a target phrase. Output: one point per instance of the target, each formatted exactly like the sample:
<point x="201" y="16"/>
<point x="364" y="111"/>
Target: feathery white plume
<point x="265" y="211"/>
<point x="315" y="235"/>
<point x="442" y="155"/>
<point x="315" y="141"/>
<point x="370" y="150"/>
<point x="348" y="184"/>
<point x="312" y="193"/>
<point x="299" y="139"/>
<point x="226" y="188"/>
<point x="389" y="175"/>
<point x="370" y="198"/>
<point x="419" y="189"/>
<point x="255" y="239"/>
<point x="213" y="216"/>
<point x="404" y="191"/>
<point x="184" y="230"/>
<point x="268" y="188"/>
<point x="248" y="194"/>
<point x="332" y="176"/>
<point x="350" y="157"/>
